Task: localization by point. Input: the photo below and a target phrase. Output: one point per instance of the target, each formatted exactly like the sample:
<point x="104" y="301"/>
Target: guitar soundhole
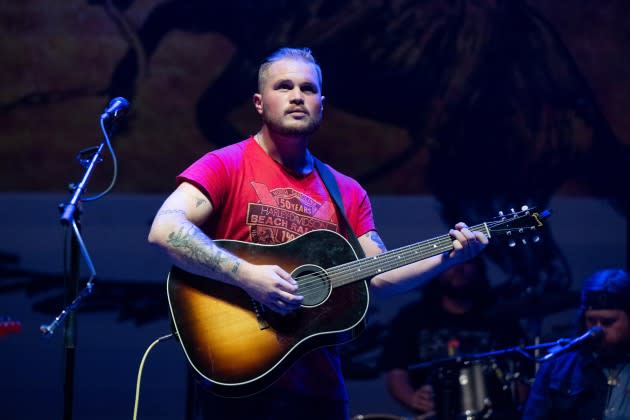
<point x="313" y="284"/>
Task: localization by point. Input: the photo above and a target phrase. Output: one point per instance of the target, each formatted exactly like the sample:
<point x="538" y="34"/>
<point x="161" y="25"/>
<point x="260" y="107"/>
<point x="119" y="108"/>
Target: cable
<point x="115" y="164"/>
<point x="146" y="353"/>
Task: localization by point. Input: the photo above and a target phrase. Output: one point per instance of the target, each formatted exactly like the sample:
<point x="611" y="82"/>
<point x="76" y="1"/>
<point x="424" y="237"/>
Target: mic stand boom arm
<point x="68" y="218"/>
<point x="465" y="358"/>
<point x="68" y="211"/>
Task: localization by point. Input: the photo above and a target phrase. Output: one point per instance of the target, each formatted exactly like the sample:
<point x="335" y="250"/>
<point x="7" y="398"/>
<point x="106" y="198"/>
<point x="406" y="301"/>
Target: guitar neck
<point x="368" y="267"/>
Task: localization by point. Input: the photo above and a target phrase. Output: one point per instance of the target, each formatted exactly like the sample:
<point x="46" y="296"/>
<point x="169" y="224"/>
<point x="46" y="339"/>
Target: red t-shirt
<point x="255" y="199"/>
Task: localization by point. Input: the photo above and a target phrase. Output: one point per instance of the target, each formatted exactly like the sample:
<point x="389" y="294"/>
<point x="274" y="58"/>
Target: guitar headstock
<point x="518" y="224"/>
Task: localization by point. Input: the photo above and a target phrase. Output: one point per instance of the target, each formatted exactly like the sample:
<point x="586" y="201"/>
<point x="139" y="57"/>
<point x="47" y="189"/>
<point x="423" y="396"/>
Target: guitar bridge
<point x="259" y="310"/>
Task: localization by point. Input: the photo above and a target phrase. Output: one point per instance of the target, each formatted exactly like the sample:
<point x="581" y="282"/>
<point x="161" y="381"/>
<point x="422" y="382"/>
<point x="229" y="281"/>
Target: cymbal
<point x="528" y="305"/>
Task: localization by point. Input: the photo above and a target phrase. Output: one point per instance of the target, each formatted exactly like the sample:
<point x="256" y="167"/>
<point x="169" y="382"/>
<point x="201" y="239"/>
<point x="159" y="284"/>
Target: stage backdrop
<point x="522" y="95"/>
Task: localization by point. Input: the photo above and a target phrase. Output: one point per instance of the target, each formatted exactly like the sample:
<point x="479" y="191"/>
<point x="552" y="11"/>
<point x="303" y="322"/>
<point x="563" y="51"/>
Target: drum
<point x="471" y="391"/>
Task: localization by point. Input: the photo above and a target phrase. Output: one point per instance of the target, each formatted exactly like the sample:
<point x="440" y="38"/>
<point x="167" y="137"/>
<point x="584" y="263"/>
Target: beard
<point x="304" y="127"/>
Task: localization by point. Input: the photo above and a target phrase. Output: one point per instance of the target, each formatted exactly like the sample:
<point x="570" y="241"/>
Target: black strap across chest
<point x="331" y="185"/>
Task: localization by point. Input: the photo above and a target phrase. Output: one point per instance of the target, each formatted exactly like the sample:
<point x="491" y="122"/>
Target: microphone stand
<point x="466" y="358"/>
<point x="72" y="297"/>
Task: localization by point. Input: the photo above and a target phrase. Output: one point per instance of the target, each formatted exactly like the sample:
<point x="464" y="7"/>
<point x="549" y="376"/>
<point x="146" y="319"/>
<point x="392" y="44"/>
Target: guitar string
<point x="314" y="283"/>
<point x="342" y="271"/>
<point x="341" y="274"/>
<point x="347" y="272"/>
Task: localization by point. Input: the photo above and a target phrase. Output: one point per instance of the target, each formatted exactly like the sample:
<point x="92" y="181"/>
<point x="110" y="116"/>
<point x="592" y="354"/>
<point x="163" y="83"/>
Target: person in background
<point x="593" y="381"/>
<point x="448" y="321"/>
<point x="266" y="189"/>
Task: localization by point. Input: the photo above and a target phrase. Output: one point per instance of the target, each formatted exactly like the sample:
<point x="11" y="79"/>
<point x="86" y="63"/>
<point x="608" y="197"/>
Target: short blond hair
<point x="298" y="54"/>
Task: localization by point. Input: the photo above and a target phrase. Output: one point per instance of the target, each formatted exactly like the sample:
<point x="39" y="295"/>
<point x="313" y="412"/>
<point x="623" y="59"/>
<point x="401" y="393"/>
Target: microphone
<point x="593" y="334"/>
<point x="117" y="107"/>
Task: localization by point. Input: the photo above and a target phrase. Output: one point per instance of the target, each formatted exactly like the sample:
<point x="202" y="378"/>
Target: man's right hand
<point x="272" y="286"/>
<point x="422" y="399"/>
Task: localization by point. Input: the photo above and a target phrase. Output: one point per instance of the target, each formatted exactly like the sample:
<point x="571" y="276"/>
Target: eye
<point x="309" y="88"/>
<point x="604" y="322"/>
<point x="285" y="86"/>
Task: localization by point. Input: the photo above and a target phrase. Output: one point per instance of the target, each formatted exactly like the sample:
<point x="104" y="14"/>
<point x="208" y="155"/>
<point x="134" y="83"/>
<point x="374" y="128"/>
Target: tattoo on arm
<point x="377" y="240"/>
<point x="200" y="201"/>
<point x="170" y="211"/>
<point x="199" y="249"/>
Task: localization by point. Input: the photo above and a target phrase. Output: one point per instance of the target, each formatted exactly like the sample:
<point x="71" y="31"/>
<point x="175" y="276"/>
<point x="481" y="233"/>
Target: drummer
<point x="448" y="320"/>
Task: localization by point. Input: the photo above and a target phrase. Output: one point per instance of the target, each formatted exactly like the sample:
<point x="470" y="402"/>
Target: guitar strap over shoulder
<point x="331" y="185"/>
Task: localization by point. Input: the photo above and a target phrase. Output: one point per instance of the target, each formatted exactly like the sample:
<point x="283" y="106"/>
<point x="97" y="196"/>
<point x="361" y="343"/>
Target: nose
<point x="296" y="96"/>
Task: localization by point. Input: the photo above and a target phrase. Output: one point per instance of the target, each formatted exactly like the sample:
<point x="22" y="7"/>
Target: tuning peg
<point x="511" y="242"/>
<point x="524" y="241"/>
<point x="536" y="239"/>
<point x="512" y="210"/>
<point x="524" y="207"/>
<point x="501" y="213"/>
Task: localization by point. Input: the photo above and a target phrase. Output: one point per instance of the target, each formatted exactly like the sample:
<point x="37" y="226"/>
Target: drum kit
<point x="489" y="385"/>
<point x="466" y="390"/>
<point x="475" y="388"/>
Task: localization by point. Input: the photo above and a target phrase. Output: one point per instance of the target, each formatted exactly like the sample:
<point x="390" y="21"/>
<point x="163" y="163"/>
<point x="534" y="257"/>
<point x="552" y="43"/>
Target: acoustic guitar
<point x="239" y="347"/>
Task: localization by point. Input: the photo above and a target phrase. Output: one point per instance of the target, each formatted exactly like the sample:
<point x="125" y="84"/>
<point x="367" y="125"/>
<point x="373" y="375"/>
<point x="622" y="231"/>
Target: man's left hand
<point x="466" y="243"/>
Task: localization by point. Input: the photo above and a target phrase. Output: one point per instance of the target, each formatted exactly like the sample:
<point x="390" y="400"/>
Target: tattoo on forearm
<point x="377" y="240"/>
<point x="198" y="248"/>
<point x="170" y="211"/>
<point x="215" y="260"/>
<point x="235" y="267"/>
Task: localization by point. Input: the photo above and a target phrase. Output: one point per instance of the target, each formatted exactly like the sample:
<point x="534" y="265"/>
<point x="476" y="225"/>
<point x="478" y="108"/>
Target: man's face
<point x="291" y="102"/>
<point x="615" y="324"/>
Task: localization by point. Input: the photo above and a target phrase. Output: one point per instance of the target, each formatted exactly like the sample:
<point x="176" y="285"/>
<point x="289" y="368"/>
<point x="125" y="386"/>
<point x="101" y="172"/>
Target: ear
<point x="321" y="108"/>
<point x="258" y="104"/>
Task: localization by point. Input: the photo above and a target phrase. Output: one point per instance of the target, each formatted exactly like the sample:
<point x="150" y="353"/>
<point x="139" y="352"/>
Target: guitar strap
<point x="331" y="185"/>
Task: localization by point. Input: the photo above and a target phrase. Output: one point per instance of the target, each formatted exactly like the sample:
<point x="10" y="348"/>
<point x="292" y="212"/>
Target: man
<point x="265" y="189"/>
<point x="450" y="320"/>
<point x="592" y="382"/>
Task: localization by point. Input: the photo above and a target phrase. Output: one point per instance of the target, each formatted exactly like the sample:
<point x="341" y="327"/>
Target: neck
<point x="289" y="151"/>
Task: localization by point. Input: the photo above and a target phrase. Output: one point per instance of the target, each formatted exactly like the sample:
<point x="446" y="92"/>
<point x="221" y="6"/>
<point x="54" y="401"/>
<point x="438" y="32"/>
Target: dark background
<point x="444" y="110"/>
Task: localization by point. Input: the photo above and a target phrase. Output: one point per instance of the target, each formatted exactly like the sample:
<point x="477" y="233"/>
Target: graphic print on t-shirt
<point x="283" y="214"/>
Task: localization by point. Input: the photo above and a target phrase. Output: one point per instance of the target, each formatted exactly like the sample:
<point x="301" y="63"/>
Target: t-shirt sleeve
<point x="356" y="205"/>
<point x="365" y="217"/>
<point x="210" y="174"/>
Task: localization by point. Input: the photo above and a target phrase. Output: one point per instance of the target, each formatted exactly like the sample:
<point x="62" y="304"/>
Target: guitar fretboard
<point x="369" y="267"/>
